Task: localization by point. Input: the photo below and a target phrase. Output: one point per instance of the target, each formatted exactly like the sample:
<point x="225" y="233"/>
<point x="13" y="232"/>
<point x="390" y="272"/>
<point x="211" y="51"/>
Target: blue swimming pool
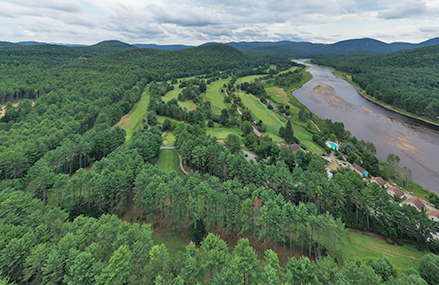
<point x="333" y="145"/>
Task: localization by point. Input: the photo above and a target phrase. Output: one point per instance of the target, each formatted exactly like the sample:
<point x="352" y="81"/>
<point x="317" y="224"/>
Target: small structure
<point x="433" y="215"/>
<point x="379" y="180"/>
<point x="415" y="202"/>
<point x="360" y="170"/>
<point x="392" y="191"/>
<point x="294" y="147"/>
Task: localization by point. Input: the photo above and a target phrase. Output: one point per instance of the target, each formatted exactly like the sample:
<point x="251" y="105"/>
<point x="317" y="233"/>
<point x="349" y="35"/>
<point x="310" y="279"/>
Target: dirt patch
<point x="165" y="142"/>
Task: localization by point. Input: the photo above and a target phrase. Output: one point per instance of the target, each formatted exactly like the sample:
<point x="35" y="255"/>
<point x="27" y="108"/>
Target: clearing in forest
<point x="221" y="133"/>
<point x="133" y="120"/>
<point x="168" y="160"/>
<point x="362" y="246"/>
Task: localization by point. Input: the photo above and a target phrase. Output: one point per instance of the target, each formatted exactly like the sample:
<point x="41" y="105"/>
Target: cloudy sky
<point x="193" y="22"/>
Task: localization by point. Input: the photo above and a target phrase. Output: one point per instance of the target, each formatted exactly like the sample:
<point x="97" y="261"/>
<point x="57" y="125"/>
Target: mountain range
<point x="365" y="46"/>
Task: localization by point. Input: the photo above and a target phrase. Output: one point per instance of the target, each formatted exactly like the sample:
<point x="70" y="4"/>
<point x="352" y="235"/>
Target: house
<point x="433" y="215"/>
<point x="415" y="202"/>
<point x="294" y="147"/>
<point x="379" y="180"/>
<point x="360" y="170"/>
<point x="392" y="191"/>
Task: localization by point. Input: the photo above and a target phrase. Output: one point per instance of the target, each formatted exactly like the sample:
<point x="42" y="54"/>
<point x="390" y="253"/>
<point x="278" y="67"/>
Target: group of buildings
<point x="395" y="191"/>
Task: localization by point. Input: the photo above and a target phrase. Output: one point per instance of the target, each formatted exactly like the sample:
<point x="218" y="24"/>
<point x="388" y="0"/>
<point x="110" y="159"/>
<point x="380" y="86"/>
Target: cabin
<point x="415" y="202"/>
<point x="379" y="180"/>
<point x="434" y="216"/>
<point x="395" y="191"/>
<point x="294" y="147"/>
<point x="360" y="170"/>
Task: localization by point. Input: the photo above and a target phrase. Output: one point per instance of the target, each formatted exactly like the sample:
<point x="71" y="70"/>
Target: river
<point x="415" y="142"/>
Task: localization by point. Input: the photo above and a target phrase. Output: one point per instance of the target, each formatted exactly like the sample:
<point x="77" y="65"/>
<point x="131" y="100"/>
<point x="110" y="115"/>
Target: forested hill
<point x="306" y="49"/>
<point x="74" y="95"/>
<point x="407" y="79"/>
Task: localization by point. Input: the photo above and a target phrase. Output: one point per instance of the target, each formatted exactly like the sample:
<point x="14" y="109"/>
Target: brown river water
<point x="415" y="142"/>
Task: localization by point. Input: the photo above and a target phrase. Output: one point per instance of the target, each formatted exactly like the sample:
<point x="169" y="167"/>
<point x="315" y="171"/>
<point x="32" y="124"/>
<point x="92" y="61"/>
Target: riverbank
<point x="363" y="94"/>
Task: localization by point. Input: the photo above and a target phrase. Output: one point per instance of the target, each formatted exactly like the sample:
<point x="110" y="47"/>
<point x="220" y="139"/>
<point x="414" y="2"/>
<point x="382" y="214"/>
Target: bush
<point x="429" y="268"/>
<point x="399" y="242"/>
<point x="210" y="124"/>
<point x="389" y="241"/>
<point x="270" y="107"/>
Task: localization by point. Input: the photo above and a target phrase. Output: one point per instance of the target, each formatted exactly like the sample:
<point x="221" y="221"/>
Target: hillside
<point x="407" y="79"/>
<point x="83" y="199"/>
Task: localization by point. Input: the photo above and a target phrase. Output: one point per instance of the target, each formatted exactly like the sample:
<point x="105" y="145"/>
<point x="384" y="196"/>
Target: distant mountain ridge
<point x="284" y="48"/>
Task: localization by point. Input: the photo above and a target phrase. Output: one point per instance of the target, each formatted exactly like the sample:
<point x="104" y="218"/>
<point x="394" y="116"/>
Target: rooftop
<point x="397" y="191"/>
<point x="358" y="168"/>
<point x="417" y="203"/>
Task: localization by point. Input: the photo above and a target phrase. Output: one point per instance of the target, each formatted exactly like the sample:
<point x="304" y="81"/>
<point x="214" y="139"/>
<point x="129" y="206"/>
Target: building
<point x="433" y="215"/>
<point x="294" y="147"/>
<point x="360" y="170"/>
<point x="415" y="202"/>
<point x="379" y="180"/>
<point x="392" y="191"/>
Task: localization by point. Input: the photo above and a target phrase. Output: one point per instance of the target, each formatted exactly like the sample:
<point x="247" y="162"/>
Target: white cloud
<point x="197" y="21"/>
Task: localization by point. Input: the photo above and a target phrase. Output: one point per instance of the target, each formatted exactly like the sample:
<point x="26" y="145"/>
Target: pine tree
<point x="289" y="134"/>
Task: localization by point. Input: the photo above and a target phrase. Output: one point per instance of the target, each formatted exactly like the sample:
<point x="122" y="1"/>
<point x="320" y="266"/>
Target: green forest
<point x="82" y="203"/>
<point x="406" y="79"/>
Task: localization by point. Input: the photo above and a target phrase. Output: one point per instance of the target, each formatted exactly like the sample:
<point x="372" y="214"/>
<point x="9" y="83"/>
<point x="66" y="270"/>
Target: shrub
<point x="389" y="241"/>
<point x="399" y="242"/>
<point x="210" y="124"/>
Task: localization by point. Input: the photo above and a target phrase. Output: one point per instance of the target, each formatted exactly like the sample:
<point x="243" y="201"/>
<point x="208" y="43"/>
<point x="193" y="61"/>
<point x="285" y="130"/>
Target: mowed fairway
<point x="214" y="95"/>
<point x="173" y="94"/>
<point x="259" y="112"/>
<point x="221" y="133"/>
<point x="169" y="160"/>
<point x="362" y="246"/>
<point x="249" y="78"/>
<point x="133" y="120"/>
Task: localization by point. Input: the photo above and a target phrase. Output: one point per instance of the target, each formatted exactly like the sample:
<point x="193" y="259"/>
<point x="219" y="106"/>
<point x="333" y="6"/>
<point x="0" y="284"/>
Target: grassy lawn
<point x="290" y="69"/>
<point x="174" y="243"/>
<point x="249" y="78"/>
<point x="168" y="160"/>
<point x="173" y="94"/>
<point x="221" y="132"/>
<point x="133" y="120"/>
<point x="259" y="112"/>
<point x="402" y="257"/>
<point x="169" y="138"/>
<point x="216" y="97"/>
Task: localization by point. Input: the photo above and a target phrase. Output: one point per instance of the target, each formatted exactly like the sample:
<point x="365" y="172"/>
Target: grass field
<point x="133" y="120"/>
<point x="249" y="78"/>
<point x="169" y="139"/>
<point x="216" y="97"/>
<point x="221" y="132"/>
<point x="168" y="160"/>
<point x="259" y="112"/>
<point x="174" y="243"/>
<point x="402" y="257"/>
<point x="173" y="94"/>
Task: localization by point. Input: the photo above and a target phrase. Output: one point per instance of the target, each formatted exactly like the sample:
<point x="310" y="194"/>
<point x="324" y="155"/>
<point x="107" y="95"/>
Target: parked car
<point x="437" y="228"/>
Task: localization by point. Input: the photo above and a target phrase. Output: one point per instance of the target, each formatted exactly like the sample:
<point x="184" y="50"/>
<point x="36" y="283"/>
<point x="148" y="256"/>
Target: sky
<point x="193" y="22"/>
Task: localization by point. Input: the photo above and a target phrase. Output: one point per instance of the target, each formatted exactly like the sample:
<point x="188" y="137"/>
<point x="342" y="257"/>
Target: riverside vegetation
<point x="66" y="176"/>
